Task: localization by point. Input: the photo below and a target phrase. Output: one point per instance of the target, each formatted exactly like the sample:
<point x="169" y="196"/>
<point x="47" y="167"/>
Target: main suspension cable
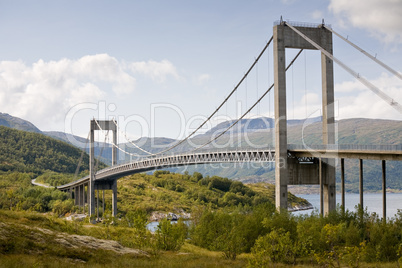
<point x="116" y="146"/>
<point x="364" y="81"/>
<point x="226" y="99"/>
<point x="80" y="160"/>
<point x="125" y="136"/>
<point x="396" y="73"/>
<point x="240" y="118"/>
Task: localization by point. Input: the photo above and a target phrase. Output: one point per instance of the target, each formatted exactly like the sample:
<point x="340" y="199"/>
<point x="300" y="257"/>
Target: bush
<point x="170" y="236"/>
<point x="277" y="246"/>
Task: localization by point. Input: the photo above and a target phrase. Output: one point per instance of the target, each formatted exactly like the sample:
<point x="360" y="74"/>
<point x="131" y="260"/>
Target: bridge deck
<point x="328" y="151"/>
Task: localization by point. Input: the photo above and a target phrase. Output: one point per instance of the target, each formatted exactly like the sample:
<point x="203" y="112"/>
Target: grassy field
<point x="31" y="239"/>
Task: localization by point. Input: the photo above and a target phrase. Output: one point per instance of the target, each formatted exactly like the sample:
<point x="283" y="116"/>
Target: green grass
<point x="173" y="192"/>
<point x="30" y="239"/>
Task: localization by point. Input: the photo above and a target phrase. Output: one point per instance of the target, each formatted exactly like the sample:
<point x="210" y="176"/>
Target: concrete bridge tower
<point x="101" y="125"/>
<point x="284" y="37"/>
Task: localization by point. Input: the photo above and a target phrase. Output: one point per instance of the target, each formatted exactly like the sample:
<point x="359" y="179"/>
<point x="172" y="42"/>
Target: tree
<point x="171" y="236"/>
<point x="277" y="246"/>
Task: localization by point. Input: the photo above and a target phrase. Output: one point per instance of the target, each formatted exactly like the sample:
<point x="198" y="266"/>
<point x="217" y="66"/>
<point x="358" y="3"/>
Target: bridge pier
<point x="97" y="204"/>
<point x="361" y="182"/>
<point x="384" y="192"/>
<point x="84" y="200"/>
<point x="343" y="184"/>
<point x="77" y="195"/>
<point x="321" y="188"/>
<point x="114" y="198"/>
<point x="103" y="202"/>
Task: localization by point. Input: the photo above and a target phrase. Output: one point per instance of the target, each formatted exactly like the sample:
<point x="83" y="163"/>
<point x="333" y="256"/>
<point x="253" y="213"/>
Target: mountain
<point x="258" y="133"/>
<point x="17" y="123"/>
<point x="77" y="141"/>
<point x="256" y="124"/>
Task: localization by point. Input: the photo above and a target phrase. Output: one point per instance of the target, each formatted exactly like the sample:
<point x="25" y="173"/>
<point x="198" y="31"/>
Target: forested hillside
<point x="33" y="152"/>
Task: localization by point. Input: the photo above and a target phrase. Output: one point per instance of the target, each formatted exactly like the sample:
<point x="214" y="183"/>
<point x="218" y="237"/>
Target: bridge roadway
<point x="175" y="160"/>
<point x="374" y="152"/>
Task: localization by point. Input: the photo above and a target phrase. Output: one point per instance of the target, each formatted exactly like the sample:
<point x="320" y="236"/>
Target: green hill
<point x="33" y="152"/>
<point x="173" y="192"/>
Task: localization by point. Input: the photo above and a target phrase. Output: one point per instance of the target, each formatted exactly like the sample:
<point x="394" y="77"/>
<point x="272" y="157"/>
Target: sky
<point x="161" y="67"/>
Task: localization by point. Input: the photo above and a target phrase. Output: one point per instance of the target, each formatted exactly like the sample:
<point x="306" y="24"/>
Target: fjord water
<point x="371" y="201"/>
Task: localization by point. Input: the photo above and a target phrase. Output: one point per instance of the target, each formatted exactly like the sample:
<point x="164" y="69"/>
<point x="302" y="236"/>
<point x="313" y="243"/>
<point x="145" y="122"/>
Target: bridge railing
<point x="179" y="154"/>
<point x="301" y="24"/>
<point x="348" y="147"/>
<point x="212" y="150"/>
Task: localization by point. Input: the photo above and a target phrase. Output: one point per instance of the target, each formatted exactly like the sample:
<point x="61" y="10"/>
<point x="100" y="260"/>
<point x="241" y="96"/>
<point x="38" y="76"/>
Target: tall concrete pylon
<point x="104" y="125"/>
<point x="284" y="37"/>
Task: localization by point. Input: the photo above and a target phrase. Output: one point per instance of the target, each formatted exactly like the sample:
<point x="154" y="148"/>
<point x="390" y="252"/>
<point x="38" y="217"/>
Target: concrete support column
<point x="281" y="143"/>
<point x="361" y="182"/>
<point x="91" y="185"/>
<point x="83" y="197"/>
<point x="114" y="198"/>
<point x="97" y="204"/>
<point x="88" y="197"/>
<point x="384" y="192"/>
<point x="343" y="183"/>
<point x="328" y="121"/>
<point x="103" y="202"/>
<point x="77" y="195"/>
<point x="321" y="187"/>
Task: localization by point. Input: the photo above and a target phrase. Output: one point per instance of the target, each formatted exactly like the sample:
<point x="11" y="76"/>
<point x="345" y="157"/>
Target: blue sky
<point x="160" y="67"/>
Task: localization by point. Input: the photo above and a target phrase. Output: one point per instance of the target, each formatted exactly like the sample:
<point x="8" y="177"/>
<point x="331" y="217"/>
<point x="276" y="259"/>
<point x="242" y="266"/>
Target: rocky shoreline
<point x="159" y="215"/>
<point x="300" y="208"/>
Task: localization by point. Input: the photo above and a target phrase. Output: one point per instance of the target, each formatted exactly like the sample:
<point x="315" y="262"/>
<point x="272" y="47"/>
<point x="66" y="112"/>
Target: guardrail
<point x="348" y="147"/>
<point x="301" y="24"/>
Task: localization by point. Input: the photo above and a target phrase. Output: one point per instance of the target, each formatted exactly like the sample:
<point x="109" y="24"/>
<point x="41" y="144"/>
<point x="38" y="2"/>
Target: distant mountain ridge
<point x="17" y="123"/>
<point x="259" y="132"/>
<point x="256" y="124"/>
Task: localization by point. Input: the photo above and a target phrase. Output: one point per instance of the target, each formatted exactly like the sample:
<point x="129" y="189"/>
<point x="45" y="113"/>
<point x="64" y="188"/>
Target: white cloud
<point x="354" y="100"/>
<point x="158" y="71"/>
<point x="288" y="2"/>
<point x="317" y="14"/>
<point x="203" y="78"/>
<point x="45" y="91"/>
<point x="382" y="18"/>
<point x="362" y="102"/>
<point x="350" y="86"/>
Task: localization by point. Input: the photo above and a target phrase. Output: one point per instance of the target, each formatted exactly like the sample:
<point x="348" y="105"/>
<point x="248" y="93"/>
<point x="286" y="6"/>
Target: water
<point x="373" y="202"/>
<point x="153" y="225"/>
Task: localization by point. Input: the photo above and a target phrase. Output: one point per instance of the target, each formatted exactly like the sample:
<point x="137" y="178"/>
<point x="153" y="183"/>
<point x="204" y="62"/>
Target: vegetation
<point x="336" y="240"/>
<point x="232" y="224"/>
<point x="173" y="192"/>
<point x="254" y="237"/>
<point x="32" y="152"/>
<point x="17" y="193"/>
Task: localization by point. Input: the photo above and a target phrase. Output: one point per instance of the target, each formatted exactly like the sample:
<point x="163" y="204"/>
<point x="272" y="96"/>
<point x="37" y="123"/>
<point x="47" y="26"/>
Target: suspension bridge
<point x="294" y="164"/>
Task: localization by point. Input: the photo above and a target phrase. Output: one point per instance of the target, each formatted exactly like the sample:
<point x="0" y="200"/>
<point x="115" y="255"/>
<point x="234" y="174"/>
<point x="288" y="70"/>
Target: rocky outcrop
<point x="300" y="207"/>
<point x="42" y="236"/>
<point x="158" y="215"/>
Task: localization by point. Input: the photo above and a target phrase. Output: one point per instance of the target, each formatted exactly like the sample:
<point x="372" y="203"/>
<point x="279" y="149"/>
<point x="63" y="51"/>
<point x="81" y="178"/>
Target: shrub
<point x="170" y="236"/>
